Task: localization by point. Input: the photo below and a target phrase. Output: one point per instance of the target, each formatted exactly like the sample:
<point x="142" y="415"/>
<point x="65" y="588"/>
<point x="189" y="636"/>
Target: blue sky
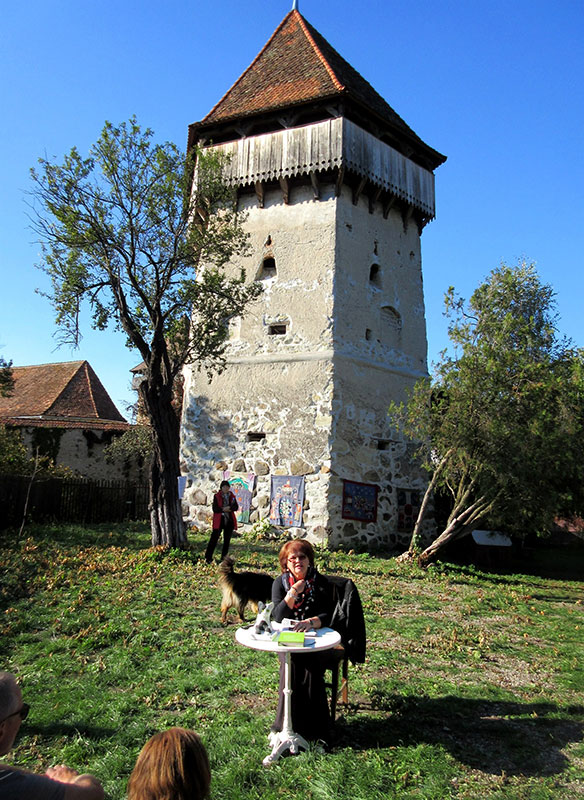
<point x="497" y="87"/>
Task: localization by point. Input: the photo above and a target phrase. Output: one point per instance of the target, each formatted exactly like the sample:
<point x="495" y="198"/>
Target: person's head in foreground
<point x="172" y="765"/>
<point x="12" y="711"/>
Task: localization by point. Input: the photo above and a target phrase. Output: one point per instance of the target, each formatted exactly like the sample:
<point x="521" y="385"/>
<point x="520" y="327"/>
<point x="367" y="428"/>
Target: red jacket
<point x="218" y="509"/>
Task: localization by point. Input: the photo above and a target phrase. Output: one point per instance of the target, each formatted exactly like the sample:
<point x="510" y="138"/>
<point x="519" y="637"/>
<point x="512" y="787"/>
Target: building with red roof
<point x="64" y="410"/>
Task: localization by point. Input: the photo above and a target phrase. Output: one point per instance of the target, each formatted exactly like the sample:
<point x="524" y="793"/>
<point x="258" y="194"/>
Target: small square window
<point x="277" y="330"/>
<point x="383" y="444"/>
<point x="255" y="436"/>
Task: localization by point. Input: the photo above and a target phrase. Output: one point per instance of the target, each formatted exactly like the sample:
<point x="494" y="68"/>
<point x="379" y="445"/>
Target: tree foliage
<point x="6" y="378"/>
<point x="501" y="424"/>
<point x="15" y="458"/>
<point x="128" y="232"/>
<point x="133" y="444"/>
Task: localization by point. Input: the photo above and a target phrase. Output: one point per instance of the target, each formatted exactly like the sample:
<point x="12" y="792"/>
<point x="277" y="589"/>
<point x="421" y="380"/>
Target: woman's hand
<point x="293" y="592"/>
<point x="79" y="787"/>
<point x="307" y="624"/>
<point x="62" y="773"/>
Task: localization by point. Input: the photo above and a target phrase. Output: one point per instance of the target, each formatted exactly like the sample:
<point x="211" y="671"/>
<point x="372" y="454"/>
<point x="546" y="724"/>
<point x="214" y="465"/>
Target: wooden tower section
<point x="337" y="190"/>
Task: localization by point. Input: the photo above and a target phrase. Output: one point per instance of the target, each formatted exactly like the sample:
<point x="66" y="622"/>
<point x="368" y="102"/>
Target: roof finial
<point x="295" y="5"/>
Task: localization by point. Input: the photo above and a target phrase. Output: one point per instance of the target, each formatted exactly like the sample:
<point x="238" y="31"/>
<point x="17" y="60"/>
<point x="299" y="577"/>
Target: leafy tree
<point x="14" y="457"/>
<point x="501" y="424"/>
<point x="123" y="230"/>
<point x="6" y="378"/>
<point x="133" y="444"/>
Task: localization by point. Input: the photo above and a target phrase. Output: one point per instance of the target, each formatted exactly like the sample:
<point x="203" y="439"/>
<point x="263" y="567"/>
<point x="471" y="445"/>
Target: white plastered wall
<point x="319" y="393"/>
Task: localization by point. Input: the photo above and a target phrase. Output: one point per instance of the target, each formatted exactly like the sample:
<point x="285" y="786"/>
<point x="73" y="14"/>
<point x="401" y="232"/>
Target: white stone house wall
<point x="82" y="451"/>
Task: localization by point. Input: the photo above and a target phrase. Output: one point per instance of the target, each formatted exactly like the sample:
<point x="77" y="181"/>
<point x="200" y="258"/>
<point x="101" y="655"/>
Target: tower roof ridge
<point x="303" y="24"/>
<point x="300" y="72"/>
<point x="251" y="66"/>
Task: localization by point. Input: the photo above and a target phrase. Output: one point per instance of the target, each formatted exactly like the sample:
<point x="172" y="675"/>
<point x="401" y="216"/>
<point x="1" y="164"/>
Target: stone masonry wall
<point x="317" y="394"/>
<point x="276" y="385"/>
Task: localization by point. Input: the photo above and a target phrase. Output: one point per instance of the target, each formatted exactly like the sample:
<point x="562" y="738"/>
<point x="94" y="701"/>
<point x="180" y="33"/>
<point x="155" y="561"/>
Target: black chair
<point x="348" y="620"/>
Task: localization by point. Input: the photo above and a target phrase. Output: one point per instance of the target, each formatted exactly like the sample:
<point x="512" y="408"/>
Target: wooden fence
<point x="71" y="500"/>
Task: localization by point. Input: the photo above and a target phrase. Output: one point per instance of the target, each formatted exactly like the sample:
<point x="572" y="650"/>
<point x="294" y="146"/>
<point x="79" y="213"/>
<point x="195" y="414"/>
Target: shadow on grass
<point x="494" y="737"/>
<point x="131" y="535"/>
<point x="70" y="731"/>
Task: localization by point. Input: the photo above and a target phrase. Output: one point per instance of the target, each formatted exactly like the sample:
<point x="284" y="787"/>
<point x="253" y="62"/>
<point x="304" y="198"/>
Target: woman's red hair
<point x="172" y="765"/>
<point x="296" y="546"/>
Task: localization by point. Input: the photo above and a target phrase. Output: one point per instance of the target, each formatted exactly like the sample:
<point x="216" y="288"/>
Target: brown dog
<point x="241" y="588"/>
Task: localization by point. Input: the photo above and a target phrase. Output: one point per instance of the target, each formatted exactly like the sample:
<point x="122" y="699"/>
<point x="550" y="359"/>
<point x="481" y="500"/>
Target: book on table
<point x="291" y="638"/>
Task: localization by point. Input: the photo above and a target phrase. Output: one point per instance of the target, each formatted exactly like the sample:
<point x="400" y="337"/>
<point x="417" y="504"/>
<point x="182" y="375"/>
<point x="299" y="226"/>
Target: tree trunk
<point x="410" y="553"/>
<point x="166" y="522"/>
<point x="458" y="527"/>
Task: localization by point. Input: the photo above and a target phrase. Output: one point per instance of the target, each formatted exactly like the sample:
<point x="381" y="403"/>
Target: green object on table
<point x="291" y="638"/>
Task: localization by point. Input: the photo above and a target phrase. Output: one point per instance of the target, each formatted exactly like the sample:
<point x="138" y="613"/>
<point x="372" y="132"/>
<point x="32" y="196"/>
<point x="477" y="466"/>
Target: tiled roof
<point x="298" y="66"/>
<point x="67" y="394"/>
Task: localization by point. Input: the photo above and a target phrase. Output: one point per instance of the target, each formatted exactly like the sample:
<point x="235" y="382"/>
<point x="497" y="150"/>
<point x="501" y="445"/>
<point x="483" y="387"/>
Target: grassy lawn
<point x="473" y="685"/>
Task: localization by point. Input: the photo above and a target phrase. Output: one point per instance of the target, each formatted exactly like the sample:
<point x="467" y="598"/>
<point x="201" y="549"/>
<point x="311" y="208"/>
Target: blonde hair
<point x="172" y="765"/>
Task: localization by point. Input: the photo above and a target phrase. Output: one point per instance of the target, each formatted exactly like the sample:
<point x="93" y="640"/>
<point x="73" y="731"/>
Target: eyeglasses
<point x="22" y="712"/>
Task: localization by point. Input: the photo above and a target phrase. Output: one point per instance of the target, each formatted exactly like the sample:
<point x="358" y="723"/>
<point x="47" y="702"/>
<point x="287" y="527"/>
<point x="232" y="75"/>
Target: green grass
<point x="472" y="686"/>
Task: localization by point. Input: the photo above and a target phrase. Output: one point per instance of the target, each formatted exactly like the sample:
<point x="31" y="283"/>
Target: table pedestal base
<point x="282" y="741"/>
<point x="285" y="739"/>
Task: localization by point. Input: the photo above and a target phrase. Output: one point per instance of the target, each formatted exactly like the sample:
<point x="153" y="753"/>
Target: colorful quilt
<point x="286" y="500"/>
<point x="242" y="488"/>
<point x="359" y="501"/>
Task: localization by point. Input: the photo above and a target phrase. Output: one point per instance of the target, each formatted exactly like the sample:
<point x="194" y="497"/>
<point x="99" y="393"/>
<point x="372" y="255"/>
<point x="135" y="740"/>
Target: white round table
<point x="322" y="639"/>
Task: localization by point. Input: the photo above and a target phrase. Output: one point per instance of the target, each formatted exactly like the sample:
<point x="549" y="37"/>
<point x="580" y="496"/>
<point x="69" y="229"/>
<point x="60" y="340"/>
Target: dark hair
<point x="224" y="483"/>
<point x="295" y="546"/>
<point x="172" y="765"/>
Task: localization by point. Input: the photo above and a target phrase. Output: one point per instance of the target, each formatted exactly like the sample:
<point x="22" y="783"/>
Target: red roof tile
<point x="67" y="394"/>
<point x="298" y="66"/>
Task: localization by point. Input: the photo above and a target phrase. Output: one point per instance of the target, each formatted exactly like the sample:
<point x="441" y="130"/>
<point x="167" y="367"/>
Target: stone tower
<point x="336" y="189"/>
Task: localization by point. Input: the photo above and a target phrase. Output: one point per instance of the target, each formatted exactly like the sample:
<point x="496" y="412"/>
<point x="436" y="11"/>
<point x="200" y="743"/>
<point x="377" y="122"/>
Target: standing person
<point x="172" y="765"/>
<point x="301" y="593"/>
<point x="224" y="508"/>
<point x="58" y="783"/>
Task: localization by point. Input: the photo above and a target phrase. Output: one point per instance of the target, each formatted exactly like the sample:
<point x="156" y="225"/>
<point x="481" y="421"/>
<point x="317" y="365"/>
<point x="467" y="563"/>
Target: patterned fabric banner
<point x="408" y="508"/>
<point x="286" y="500"/>
<point x="359" y="501"/>
<point x="242" y="488"/>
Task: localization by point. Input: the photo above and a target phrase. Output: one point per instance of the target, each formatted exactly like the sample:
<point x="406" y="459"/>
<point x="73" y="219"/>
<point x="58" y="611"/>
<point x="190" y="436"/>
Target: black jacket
<point x="321" y="607"/>
<point x="347" y="617"/>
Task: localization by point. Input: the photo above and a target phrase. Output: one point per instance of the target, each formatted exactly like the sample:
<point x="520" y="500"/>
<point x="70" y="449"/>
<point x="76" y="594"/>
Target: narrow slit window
<point x="255" y="436"/>
<point x="375" y="275"/>
<point x="268" y="269"/>
<point x="368" y="334"/>
<point x="391" y="326"/>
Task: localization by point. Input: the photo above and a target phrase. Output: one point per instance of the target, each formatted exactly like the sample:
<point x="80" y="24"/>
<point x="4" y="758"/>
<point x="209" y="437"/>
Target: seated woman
<point x="172" y="765"/>
<point x="302" y="594"/>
